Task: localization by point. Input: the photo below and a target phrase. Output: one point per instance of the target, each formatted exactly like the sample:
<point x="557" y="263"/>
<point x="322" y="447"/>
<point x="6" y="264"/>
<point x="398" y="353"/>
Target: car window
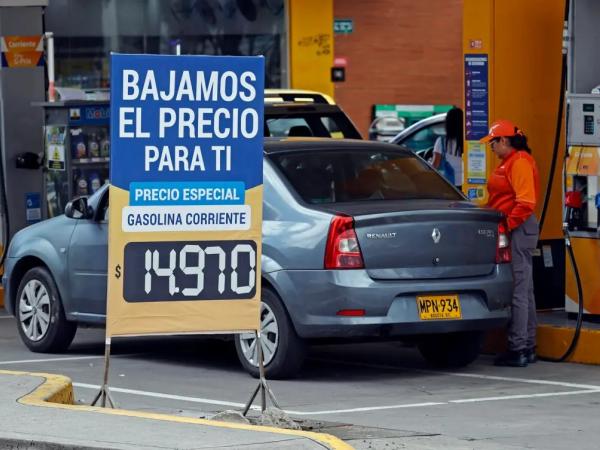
<point x="366" y="175"/>
<point x="332" y="128"/>
<point x="424" y="139"/>
<point x="307" y="123"/>
<point x="281" y="127"/>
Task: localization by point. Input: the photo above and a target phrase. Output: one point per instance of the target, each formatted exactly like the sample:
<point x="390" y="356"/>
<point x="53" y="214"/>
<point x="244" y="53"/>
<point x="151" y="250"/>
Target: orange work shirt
<point x="513" y="187"/>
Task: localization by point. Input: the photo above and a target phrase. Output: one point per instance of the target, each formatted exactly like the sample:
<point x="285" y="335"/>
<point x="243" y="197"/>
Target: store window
<point x="87" y="31"/>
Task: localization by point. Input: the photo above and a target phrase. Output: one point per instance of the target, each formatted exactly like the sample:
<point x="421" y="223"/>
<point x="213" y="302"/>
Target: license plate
<point x="438" y="307"/>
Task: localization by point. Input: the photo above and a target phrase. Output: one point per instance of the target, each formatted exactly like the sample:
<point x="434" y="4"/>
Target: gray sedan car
<point x="361" y="240"/>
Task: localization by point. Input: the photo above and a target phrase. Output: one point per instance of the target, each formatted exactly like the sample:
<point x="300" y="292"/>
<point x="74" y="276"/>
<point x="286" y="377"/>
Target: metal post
<point x="271" y="395"/>
<point x="106" y="367"/>
<point x="252" y="397"/>
<point x="104" y="393"/>
<point x="50" y="49"/>
<point x="261" y="373"/>
<point x="262" y="383"/>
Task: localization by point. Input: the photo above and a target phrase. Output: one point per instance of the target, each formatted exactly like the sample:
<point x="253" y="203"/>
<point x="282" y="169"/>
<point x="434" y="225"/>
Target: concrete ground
<point x="45" y="418"/>
<point x="373" y="396"/>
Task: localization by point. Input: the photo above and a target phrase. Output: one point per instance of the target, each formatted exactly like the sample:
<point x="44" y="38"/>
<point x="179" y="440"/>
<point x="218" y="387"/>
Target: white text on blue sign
<point x="169" y="123"/>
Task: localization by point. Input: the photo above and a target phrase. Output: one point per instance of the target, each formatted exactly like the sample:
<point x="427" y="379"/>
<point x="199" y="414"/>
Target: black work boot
<point x="531" y="355"/>
<point x="512" y="358"/>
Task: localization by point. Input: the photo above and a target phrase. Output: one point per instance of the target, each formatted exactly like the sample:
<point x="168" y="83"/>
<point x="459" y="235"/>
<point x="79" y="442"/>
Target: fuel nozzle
<point x="574" y="212"/>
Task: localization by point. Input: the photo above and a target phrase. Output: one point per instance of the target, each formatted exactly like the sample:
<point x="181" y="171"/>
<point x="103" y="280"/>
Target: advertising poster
<point x="55" y="146"/>
<point x="476" y="122"/>
<point x="476" y="96"/>
<point x="476" y="162"/>
<point x="22" y="51"/>
<point x="186" y="194"/>
<point x="33" y="207"/>
<point x="583" y="161"/>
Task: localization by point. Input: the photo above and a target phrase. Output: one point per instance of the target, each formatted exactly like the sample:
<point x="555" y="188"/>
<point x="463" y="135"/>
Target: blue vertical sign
<point x="476" y="96"/>
<point x="186" y="194"/>
<point x="33" y="207"/>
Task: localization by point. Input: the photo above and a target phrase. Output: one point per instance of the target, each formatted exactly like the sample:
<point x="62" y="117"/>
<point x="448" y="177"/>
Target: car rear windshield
<point x="366" y="175"/>
<point x="315" y="124"/>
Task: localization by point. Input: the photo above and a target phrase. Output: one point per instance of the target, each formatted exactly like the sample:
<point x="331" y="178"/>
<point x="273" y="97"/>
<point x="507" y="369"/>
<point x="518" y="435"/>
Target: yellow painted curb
<point x="553" y="341"/>
<point x="57" y="392"/>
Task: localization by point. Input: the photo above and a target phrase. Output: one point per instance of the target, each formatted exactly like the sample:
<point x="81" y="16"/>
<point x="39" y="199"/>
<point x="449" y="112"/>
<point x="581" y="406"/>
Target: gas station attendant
<point x="513" y="189"/>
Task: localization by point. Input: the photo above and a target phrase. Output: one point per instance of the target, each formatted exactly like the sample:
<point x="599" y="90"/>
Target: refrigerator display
<point x="77" y="132"/>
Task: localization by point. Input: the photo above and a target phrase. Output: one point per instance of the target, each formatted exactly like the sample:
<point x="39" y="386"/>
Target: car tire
<point x="452" y="349"/>
<point x="284" y="352"/>
<point x="40" y="316"/>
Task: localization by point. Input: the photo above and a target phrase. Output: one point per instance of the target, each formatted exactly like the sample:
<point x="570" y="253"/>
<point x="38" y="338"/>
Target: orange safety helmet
<point x="501" y="128"/>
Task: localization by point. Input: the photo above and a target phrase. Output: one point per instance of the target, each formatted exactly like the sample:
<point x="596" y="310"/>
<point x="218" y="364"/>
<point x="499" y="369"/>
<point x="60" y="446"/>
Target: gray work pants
<point x="523" y="322"/>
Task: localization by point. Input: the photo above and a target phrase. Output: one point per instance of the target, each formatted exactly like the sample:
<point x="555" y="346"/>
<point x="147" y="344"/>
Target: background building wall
<point x="401" y="52"/>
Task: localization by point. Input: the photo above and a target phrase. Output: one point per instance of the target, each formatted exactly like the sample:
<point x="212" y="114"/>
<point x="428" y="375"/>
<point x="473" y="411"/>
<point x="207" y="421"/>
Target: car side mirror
<point x="78" y="208"/>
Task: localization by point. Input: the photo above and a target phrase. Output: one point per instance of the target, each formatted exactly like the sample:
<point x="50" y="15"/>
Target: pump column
<point x="583" y="163"/>
<point x="21" y="83"/>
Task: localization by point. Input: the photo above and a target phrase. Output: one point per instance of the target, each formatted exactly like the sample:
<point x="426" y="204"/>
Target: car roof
<point x="286" y="108"/>
<point x="296" y="96"/>
<point x="279" y="145"/>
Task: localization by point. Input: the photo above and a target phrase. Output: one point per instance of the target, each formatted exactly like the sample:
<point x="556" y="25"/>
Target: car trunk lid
<point x="424" y="239"/>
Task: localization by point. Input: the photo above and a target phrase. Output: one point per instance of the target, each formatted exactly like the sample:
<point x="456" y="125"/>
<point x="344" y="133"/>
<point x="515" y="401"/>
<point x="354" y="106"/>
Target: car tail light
<point x="503" y="253"/>
<point x="351" y="312"/>
<point x="342" y="250"/>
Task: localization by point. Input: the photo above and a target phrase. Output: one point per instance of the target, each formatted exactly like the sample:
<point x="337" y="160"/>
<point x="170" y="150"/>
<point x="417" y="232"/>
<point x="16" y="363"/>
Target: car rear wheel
<point x="452" y="349"/>
<point x="40" y="317"/>
<point x="283" y="350"/>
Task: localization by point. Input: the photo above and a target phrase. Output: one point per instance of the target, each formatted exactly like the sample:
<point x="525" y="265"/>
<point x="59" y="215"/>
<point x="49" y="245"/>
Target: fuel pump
<point x="582" y="168"/>
<point x="22" y="82"/>
<point x="582" y="199"/>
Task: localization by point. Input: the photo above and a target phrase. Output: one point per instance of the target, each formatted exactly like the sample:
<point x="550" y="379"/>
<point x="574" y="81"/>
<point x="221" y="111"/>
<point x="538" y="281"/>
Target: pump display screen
<point x="588" y="107"/>
<point x="179" y="271"/>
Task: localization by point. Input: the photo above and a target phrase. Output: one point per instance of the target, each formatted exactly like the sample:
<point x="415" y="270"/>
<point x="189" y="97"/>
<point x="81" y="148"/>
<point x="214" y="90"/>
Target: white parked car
<point x="420" y="137"/>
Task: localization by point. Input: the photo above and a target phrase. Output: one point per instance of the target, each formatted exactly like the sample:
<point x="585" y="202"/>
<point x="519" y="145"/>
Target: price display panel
<point x="201" y="270"/>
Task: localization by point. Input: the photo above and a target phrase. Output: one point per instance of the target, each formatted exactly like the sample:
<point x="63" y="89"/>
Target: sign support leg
<point x="104" y="393"/>
<point x="263" y="387"/>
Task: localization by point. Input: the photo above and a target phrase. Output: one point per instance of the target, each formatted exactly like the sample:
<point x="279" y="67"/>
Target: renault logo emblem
<point x="436" y="235"/>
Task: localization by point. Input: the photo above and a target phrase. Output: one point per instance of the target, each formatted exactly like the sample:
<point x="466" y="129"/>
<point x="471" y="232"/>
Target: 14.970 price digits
<point x="201" y="270"/>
